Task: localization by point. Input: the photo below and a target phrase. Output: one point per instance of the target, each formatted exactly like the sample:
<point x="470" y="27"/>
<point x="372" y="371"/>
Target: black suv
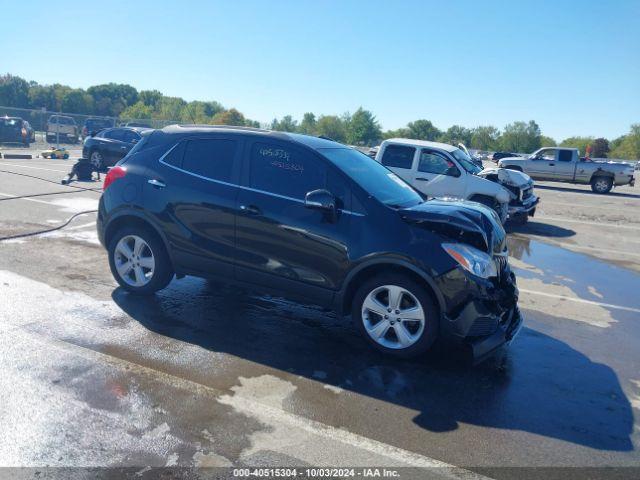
<point x="314" y="220"/>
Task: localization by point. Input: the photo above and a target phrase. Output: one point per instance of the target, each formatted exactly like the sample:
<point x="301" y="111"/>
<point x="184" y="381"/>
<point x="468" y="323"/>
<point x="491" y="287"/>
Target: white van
<point x="442" y="170"/>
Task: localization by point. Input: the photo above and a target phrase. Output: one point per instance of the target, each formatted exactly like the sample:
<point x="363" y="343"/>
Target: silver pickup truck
<point x="565" y="165"/>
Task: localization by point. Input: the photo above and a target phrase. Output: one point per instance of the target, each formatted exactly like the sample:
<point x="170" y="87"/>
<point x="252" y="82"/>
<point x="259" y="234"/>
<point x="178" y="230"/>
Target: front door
<point x="280" y="242"/>
<point x="543" y="165"/>
<point x="438" y="176"/>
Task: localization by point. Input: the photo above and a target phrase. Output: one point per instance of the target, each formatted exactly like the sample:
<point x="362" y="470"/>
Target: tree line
<point x="358" y="128"/>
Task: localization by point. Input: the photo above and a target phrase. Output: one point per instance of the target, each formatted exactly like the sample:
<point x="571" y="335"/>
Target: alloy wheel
<point x="96" y="159"/>
<point x="134" y="261"/>
<point x="393" y="317"/>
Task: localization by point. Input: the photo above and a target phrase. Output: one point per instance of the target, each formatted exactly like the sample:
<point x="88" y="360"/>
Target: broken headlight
<point x="471" y="259"/>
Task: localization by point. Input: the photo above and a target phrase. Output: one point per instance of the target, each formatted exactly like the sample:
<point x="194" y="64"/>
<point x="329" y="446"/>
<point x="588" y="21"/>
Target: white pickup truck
<point x="62" y="128"/>
<point x="442" y="170"/>
<point x="565" y="165"/>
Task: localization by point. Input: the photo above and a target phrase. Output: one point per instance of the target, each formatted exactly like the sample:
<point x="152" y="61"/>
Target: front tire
<point x="139" y="261"/>
<point x="602" y="184"/>
<point x="396" y="315"/>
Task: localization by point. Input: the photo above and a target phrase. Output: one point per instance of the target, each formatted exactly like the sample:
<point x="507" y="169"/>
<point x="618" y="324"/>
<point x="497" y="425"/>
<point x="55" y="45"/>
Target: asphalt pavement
<point x="207" y="375"/>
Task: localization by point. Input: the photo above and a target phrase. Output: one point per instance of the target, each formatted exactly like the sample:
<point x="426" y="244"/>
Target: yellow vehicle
<point x="56" y="153"/>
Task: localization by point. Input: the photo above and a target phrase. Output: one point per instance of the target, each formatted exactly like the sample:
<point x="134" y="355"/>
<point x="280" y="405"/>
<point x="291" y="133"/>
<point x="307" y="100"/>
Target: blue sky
<point x="573" y="66"/>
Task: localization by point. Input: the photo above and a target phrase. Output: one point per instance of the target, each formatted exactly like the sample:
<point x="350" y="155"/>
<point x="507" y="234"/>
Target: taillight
<point x="114" y="174"/>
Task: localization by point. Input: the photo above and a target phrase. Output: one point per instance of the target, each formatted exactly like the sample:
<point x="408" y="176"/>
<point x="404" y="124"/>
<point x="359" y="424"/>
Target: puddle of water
<point x="587" y="277"/>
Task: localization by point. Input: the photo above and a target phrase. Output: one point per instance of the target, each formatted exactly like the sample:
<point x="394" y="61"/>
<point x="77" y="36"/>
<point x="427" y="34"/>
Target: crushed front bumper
<point x="480" y="314"/>
<point x="527" y="207"/>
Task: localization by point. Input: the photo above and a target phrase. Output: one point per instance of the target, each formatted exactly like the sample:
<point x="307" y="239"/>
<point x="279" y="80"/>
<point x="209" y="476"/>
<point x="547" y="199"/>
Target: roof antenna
<point x="193" y="118"/>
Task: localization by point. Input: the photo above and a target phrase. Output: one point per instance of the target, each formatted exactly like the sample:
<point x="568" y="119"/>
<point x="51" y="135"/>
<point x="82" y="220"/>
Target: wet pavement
<point x="206" y="375"/>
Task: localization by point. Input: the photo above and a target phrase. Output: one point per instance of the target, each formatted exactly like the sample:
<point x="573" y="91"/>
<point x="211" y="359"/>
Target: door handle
<point x="156" y="183"/>
<point x="422" y="179"/>
<point x="250" y="209"/>
<point x="551" y="164"/>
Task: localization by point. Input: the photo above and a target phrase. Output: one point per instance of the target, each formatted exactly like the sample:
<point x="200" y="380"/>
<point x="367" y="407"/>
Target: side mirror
<point x="322" y="200"/>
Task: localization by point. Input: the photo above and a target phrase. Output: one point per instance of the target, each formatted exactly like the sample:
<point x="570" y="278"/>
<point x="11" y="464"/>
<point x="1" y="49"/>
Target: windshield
<point x="373" y="177"/>
<point x="466" y="163"/>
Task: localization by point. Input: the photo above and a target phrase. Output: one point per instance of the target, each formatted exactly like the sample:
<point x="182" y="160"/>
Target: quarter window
<point x="130" y="136"/>
<point x="285" y="171"/>
<point x="174" y="157"/>
<point x="431" y="162"/>
<point x="210" y="158"/>
<point x="565" y="155"/>
<point x="398" y="156"/>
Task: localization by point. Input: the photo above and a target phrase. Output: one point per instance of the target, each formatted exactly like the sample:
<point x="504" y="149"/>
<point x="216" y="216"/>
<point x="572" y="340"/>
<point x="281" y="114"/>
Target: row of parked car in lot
<point x="58" y="128"/>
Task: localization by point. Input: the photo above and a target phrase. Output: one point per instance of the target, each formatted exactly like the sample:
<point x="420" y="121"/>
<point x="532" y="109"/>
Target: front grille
<point x="501" y="260"/>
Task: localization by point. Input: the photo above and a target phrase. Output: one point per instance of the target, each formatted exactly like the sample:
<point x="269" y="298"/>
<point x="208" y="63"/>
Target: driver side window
<point x="548" y="154"/>
<point x="436" y="163"/>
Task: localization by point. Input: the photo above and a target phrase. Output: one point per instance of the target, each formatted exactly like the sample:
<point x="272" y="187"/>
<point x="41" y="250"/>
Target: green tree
<point x="363" y="128"/>
<point x="628" y="147"/>
<point x="485" y="138"/>
<point x="14" y="91"/>
<point x="229" y="117"/>
<point x="308" y="124"/>
<point x="150" y="97"/>
<point x="600" y="148"/>
<point x="456" y="134"/>
<point x="333" y="127"/>
<point x="521" y="137"/>
<point x="580" y="143"/>
<point x="112" y="98"/>
<point x="138" y="110"/>
<point x="76" y="101"/>
<point x="399" y="133"/>
<point x="547" y="141"/>
<point x="423" y="130"/>
<point x="287" y="124"/>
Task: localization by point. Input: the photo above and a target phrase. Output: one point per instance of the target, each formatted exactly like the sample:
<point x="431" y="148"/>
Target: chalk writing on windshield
<point x="281" y="159"/>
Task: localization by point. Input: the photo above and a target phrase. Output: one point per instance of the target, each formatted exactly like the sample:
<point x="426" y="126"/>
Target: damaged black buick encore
<point x="310" y="219"/>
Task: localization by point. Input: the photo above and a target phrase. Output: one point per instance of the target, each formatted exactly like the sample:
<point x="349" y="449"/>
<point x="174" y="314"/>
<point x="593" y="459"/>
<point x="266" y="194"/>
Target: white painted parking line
<point x="584" y="222"/>
<point x="33" y="168"/>
<point x="314" y="427"/>
<point x="581" y="300"/>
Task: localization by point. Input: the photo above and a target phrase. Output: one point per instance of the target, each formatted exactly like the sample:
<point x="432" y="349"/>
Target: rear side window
<point x="565" y="155"/>
<point x="210" y="158"/>
<point x="285" y="171"/>
<point x="114" y="135"/>
<point x="398" y="156"/>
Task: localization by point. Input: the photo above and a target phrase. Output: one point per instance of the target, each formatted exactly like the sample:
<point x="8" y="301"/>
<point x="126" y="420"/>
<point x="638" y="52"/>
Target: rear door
<point x="192" y="192"/>
<point x="565" y="166"/>
<point x="401" y="160"/>
<point x="280" y="242"/>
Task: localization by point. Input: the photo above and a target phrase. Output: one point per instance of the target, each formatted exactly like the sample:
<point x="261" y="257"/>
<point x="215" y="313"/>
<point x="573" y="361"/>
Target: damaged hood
<point x="505" y="176"/>
<point x="460" y="220"/>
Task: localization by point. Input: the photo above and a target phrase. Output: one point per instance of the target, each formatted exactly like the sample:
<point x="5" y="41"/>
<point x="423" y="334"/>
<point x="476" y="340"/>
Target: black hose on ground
<point x="40" y="232"/>
<point x="97" y="190"/>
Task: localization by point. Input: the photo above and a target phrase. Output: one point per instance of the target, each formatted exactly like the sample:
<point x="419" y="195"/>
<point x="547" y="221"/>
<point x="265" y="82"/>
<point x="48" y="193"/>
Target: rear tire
<point x="139" y="261"/>
<point x="412" y="317"/>
<point x="97" y="160"/>
<point x="601" y="184"/>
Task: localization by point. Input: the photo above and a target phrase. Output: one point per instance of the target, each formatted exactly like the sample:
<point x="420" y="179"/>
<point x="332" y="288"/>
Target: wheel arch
<point x="601" y="173"/>
<point x="134" y="218"/>
<point x="374" y="267"/>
